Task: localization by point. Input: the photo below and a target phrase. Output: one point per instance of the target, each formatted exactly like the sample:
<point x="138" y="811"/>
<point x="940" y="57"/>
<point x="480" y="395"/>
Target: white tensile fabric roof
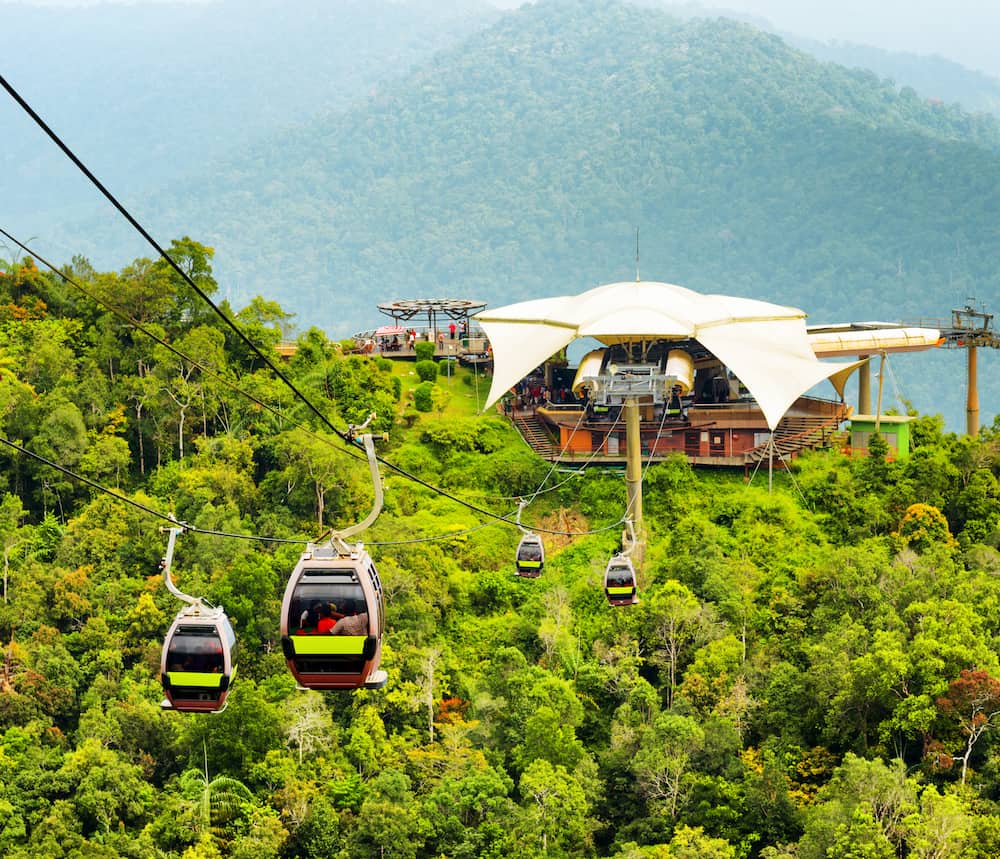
<point x="764" y="344"/>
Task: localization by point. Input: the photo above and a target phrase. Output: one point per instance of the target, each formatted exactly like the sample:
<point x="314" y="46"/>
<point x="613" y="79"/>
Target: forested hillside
<point x="521" y="163"/>
<point x="809" y="673"/>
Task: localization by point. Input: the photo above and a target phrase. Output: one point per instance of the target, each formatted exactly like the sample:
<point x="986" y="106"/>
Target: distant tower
<point x="970" y="329"/>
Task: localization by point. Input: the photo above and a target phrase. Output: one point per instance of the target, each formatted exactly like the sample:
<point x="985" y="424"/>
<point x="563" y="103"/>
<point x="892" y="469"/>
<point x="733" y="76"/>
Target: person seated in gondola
<point x="205" y="657"/>
<point x="309" y="619"/>
<point x="328" y="618"/>
<point x="621" y="577"/>
<point x="530" y="551"/>
<point x="215" y="661"/>
<point x="355" y="624"/>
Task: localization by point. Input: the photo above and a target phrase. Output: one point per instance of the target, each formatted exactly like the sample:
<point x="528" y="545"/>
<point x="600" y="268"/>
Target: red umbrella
<point x="389" y="330"/>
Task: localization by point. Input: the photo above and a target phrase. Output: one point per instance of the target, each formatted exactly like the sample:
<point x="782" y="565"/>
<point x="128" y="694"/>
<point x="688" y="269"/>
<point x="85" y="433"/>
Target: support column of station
<point x="864" y="388"/>
<point x="633" y="477"/>
<point x="972" y="396"/>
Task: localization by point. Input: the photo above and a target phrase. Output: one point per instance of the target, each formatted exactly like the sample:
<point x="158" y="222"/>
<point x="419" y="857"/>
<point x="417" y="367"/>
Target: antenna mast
<point x="636" y="254"/>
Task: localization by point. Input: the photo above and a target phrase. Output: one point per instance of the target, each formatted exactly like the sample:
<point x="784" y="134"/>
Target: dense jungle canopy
<point x="811" y="672"/>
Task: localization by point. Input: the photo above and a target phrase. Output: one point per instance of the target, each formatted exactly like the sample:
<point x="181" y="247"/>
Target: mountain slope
<point x="933" y="77"/>
<point x="520" y="164"/>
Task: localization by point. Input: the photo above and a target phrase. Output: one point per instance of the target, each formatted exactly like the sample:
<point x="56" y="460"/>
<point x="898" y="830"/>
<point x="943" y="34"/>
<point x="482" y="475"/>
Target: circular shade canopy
<point x="452" y="308"/>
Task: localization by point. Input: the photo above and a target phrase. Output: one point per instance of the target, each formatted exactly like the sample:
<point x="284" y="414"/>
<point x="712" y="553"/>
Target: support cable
<point x="124" y="498"/>
<point x="169" y="260"/>
<point x="229" y="322"/>
<point x="255" y="537"/>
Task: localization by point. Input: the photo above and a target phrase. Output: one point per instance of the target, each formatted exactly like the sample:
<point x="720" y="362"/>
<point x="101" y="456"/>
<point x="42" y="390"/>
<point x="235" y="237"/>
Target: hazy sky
<point x="962" y="30"/>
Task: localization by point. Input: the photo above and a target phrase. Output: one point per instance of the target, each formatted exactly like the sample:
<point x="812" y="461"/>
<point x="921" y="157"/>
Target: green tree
<point x="924" y="526"/>
<point x="310" y="727"/>
<point x="213" y="804"/>
<point x="440" y="398"/>
<point x="314" y="462"/>
<point x="423" y="396"/>
<point x="264" y="323"/>
<point x="942" y="829"/>
<point x="693" y="843"/>
<point x="184" y="386"/>
<point x="865" y="803"/>
<point x="193" y="259"/>
<point x="424" y="350"/>
<point x="663" y="760"/>
<point x="108" y="792"/>
<point x="556" y="810"/>
<point x="60" y="438"/>
<point x="427" y="371"/>
<point x="389" y="820"/>
<point x="11" y="514"/>
<point x="674" y="617"/>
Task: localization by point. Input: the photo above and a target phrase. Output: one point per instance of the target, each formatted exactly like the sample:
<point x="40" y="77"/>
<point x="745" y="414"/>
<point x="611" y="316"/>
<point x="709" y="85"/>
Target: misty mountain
<point x="520" y="163"/>
<point x="932" y="76"/>
<point x="147" y="93"/>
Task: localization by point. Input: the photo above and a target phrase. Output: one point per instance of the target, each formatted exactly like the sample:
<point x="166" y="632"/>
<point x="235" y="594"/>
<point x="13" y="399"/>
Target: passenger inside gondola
<point x="355" y="624"/>
<point x="530" y="551"/>
<point x="319" y="605"/>
<point x="620" y="577"/>
<point x="308" y="619"/>
<point x="328" y="617"/>
<point x="198" y="653"/>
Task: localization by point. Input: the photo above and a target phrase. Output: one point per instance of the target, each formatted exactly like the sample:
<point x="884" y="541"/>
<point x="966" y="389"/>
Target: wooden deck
<point x="727" y="435"/>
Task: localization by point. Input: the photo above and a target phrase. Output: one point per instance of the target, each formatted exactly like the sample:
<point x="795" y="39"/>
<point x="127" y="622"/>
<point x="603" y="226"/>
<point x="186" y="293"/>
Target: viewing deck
<point x="469" y="348"/>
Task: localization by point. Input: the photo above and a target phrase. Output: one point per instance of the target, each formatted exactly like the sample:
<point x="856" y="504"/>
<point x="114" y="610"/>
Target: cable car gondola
<point x="530" y="556"/>
<point x="198" y="660"/>
<point x="333" y="612"/>
<point x="332" y="619"/>
<point x="197" y="664"/>
<point x="620" y="583"/>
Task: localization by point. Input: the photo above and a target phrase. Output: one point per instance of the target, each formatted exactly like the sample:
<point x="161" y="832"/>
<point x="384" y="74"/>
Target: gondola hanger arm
<point x="627" y="550"/>
<point x="521" y="504"/>
<point x="168" y="561"/>
<point x="368" y="521"/>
